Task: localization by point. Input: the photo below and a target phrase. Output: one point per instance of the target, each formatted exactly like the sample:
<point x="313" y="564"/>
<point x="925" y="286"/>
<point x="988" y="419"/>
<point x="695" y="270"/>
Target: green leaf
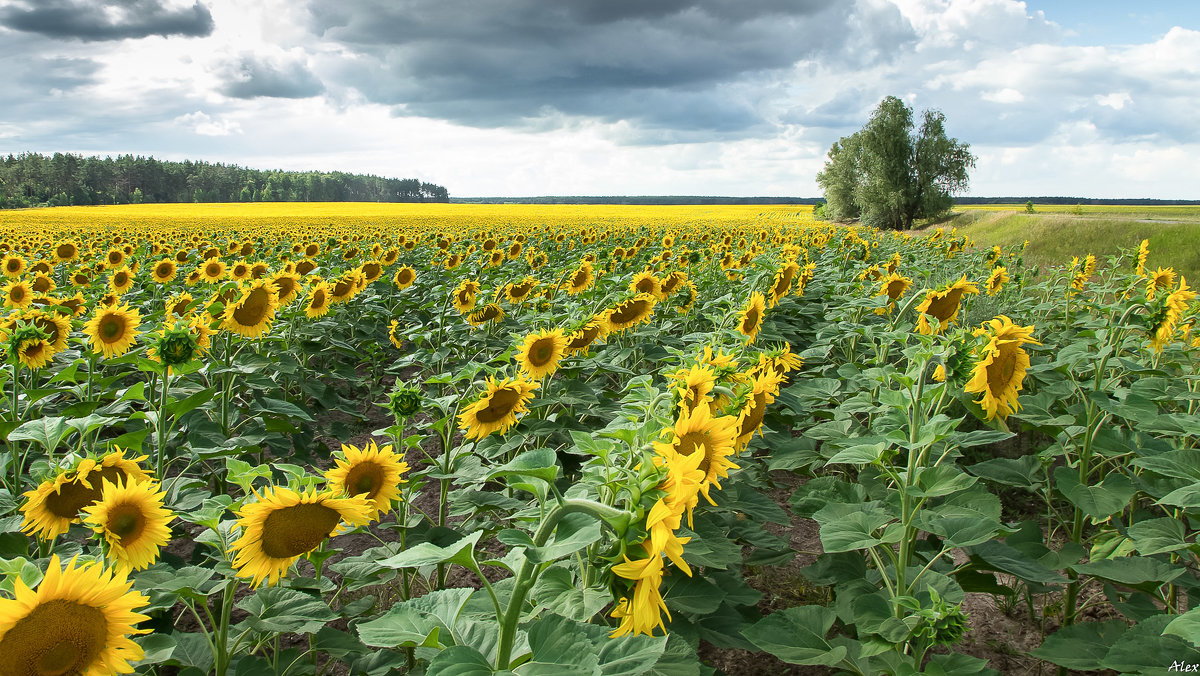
<point x="281" y="407"/>
<point x="1082" y="645"/>
<point x="540" y="463"/>
<point x="1158" y="536"/>
<point x="459" y="660"/>
<point x="1186" y="626"/>
<point x="156" y="648"/>
<point x="1023" y="472"/>
<point x="863" y="454"/>
<point x="184" y="406"/>
<point x="1001" y="557"/>
<point x="942" y="480"/>
<point x="47" y="432"/>
<point x="1182" y="464"/>
<point x="693" y="594"/>
<point x="1144" y="649"/>
<point x="427" y="553"/>
<point x="574" y="532"/>
<point x="1130" y="570"/>
<point x="556" y="590"/>
<point x="559" y="646"/>
<point x="417" y="622"/>
<point x="962" y="531"/>
<point x="678" y="659"/>
<point x="853" y="531"/>
<point x="279" y="610"/>
<point x="796" y="635"/>
<point x="1099" y="501"/>
<point x="816" y="493"/>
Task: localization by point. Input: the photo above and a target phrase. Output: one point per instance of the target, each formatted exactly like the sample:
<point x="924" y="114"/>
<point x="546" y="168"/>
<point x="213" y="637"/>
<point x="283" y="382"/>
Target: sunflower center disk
<point x="541" y="353"/>
<point x="294" y="530"/>
<point x="695" y="442"/>
<point x="112" y="328"/>
<point x="366" y="477"/>
<point x="71" y="498"/>
<point x="500" y="404"/>
<point x="127" y="522"/>
<point x="254" y="310"/>
<point x="57" y="637"/>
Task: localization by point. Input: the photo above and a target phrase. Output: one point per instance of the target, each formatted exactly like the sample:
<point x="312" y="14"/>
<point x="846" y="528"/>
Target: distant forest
<point x="32" y="179"/>
<point x="709" y="199"/>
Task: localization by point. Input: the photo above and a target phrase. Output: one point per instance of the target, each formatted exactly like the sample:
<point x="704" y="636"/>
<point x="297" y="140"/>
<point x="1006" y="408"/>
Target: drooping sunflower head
<point x="694" y="385"/>
<point x="113" y="329"/>
<point x="519" y="292"/>
<point x="782" y="283"/>
<point x="581" y="279"/>
<point x="318" y="301"/>
<point x="1164" y="320"/>
<point x="697" y="431"/>
<point x="284" y="525"/>
<point x="287" y="286"/>
<point x="541" y="352"/>
<point x="763" y="388"/>
<point x="252" y="314"/>
<point x="78" y="621"/>
<point x="1000" y="366"/>
<point x="997" y="280"/>
<point x="131" y="518"/>
<point x="894" y="286"/>
<point x="1162" y="278"/>
<point x="497" y="408"/>
<point x="750" y="319"/>
<point x="372" y="472"/>
<point x="584" y="336"/>
<point x="1142" y="254"/>
<point x="488" y="313"/>
<point x="465" y="295"/>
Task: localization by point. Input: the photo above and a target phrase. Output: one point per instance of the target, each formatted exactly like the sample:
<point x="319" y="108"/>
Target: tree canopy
<point x="889" y="174"/>
<point x="61" y="179"/>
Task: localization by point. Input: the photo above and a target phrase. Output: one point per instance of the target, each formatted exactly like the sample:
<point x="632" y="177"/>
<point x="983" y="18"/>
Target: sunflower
<point x="488" y="313"/>
<point x="641" y="614"/>
<point x="42" y="283"/>
<point x="540" y="353"/>
<point x="240" y="271"/>
<point x="131" y="518"/>
<point x="212" y="270"/>
<point x="1162" y="278"/>
<point x="65" y="251"/>
<point x="394" y="334"/>
<point x="464" y="296"/>
<point x="18" y="294"/>
<point x="1142" y="254"/>
<point x="51" y="507"/>
<point x="582" y="338"/>
<point x="497" y="408"/>
<point x="997" y="280"/>
<point x="1001" y="365"/>
<point x="318" y="301"/>
<point x="629" y="313"/>
<point x="390" y="256"/>
<point x="304" y="267"/>
<point x="694" y="385"/>
<point x="943" y="306"/>
<point x="252" y="314"/>
<point x="113" y="329"/>
<point x="581" y="279"/>
<point x="259" y="270"/>
<point x="750" y="320"/>
<point x="12" y="265"/>
<point x="697" y="431"/>
<point x="1168" y="317"/>
<point x="56" y="326"/>
<point x="284" y="525"/>
<point x="782" y="283"/>
<point x="77" y="622"/>
<point x="519" y="292"/>
<point x="894" y="286"/>
<point x="113" y="258"/>
<point x="372" y="472"/>
<point x="121" y="280"/>
<point x="34" y="352"/>
<point x="287" y="286"/>
<point x="81" y="277"/>
<point x="763" y="388"/>
<point x="645" y="282"/>
<point x="163" y="271"/>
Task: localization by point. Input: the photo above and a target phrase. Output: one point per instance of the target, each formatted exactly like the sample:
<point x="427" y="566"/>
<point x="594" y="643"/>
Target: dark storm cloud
<point x="106" y="20"/>
<point x="252" y="77"/>
<point x="674" y="66"/>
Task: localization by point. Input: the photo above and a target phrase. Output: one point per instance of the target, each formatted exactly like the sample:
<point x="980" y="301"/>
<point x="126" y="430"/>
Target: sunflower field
<point x="476" y="439"/>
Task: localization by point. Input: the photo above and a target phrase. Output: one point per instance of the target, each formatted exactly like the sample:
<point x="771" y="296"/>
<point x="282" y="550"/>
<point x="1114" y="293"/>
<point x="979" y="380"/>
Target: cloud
<point x="105" y="20"/>
<point x="49" y="74"/>
<point x="672" y="69"/>
<point x="252" y="76"/>
<point x="203" y="124"/>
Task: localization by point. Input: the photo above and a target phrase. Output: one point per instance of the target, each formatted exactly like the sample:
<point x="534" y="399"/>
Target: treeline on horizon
<point x="65" y="179"/>
<point x="710" y="199"/>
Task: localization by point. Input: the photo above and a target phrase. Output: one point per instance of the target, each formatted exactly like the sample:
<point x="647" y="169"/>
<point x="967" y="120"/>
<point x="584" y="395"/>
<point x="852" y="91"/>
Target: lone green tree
<point x="889" y="174"/>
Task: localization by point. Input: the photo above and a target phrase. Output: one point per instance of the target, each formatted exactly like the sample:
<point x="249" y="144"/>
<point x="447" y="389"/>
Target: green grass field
<point x="1058" y="232"/>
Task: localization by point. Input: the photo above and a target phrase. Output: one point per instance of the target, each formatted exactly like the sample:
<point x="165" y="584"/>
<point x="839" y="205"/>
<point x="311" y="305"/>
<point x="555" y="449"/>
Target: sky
<point x="612" y="97"/>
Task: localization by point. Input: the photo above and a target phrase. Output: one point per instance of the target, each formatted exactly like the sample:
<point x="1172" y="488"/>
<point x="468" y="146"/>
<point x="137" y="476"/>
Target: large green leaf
<point x="1144" y="649"/>
<point x="47" y="432"/>
<point x="1099" y="501"/>
<point x="1158" y="536"/>
<point x="460" y="660"/>
<point x="1181" y="464"/>
<point x="559" y="646"/>
<point x="1001" y="557"/>
<point x="556" y="590"/>
<point x="1130" y="570"/>
<point x="541" y="463"/>
<point x="427" y="553"/>
<point x="1082" y="645"/>
<point x="281" y="610"/>
<point x="693" y="594"/>
<point x="1023" y="472"/>
<point x="942" y="480"/>
<point x="1186" y="626"/>
<point x="418" y="622"/>
<point x="855" y="530"/>
<point x="796" y="635"/>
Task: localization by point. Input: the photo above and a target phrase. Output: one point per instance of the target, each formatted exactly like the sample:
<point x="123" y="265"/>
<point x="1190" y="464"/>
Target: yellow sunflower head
<point x="488" y="313"/>
<point x="997" y="280"/>
<point x="581" y="339"/>
<point x="65" y="251"/>
<point x="629" y="313"/>
<point x="750" y="319"/>
<point x="942" y="305"/>
<point x="1162" y="278"/>
<point x="1000" y="366"/>
<point x="581" y="279"/>
<point x="121" y="280"/>
<point x="131" y="518"/>
<point x="697" y="431"/>
<point x="763" y="388"/>
<point x="212" y="270"/>
<point x="519" y="292"/>
<point x="465" y="295"/>
<point x="252" y="314"/>
<point x="540" y="353"/>
<point x="12" y="265"/>
<point x="78" y="621"/>
<point x="283" y="525"/>
<point x="163" y="271"/>
<point x="55" y="504"/>
<point x="318" y="301"/>
<point x="1142" y="254"/>
<point x="113" y="329"/>
<point x="373" y="473"/>
<point x="18" y="294"/>
<point x="497" y="408"/>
